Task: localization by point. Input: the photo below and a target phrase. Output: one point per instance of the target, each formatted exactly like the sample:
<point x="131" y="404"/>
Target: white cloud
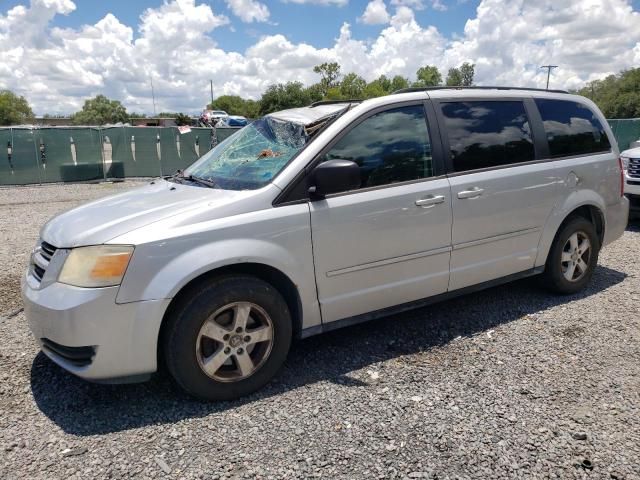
<point x="419" y="4"/>
<point x="414" y="4"/>
<point x="375" y="13"/>
<point x="175" y="44"/>
<point x="509" y="40"/>
<point x="339" y="3"/>
<point x="249" y="10"/>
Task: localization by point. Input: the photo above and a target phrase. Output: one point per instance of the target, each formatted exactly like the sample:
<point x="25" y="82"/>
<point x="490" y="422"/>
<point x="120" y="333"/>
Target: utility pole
<point x="211" y="84"/>
<point x="549" y="68"/>
<point x="153" y="97"/>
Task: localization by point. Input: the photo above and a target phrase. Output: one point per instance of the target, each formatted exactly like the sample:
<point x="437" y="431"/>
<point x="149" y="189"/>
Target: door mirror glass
<point x="334" y="176"/>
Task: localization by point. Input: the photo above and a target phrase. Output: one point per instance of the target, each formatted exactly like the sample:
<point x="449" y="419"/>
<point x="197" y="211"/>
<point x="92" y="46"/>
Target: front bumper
<point x="634" y="203"/>
<point x="632" y="191"/>
<point x="87" y="333"/>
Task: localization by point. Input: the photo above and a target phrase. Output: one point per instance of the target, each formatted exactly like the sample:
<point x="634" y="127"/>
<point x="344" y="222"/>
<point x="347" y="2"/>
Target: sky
<point x="57" y="53"/>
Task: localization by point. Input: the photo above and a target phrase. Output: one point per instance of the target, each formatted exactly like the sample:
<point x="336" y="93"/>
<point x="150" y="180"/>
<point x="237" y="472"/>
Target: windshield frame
<point x="310" y="139"/>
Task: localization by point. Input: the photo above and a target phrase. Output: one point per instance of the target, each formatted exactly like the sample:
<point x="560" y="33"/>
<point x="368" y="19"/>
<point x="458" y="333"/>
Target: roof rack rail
<point x="334" y="102"/>
<point x="426" y="89"/>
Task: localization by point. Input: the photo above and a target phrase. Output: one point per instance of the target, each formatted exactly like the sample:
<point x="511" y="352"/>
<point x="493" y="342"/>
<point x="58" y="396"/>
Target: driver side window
<point x="389" y="147"/>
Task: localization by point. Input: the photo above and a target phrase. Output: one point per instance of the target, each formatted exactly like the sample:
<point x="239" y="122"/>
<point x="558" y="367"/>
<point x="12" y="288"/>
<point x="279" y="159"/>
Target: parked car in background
<point x="233" y="121"/>
<point x="631" y="164"/>
<point x="319" y="217"/>
<point x="211" y="117"/>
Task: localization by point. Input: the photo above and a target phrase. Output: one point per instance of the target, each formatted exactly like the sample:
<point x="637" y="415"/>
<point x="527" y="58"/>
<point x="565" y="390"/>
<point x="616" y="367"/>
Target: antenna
<point x="549" y="68"/>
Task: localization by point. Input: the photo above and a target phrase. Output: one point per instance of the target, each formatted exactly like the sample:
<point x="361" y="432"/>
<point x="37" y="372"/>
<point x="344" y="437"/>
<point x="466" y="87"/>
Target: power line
<point x="549" y="68"/>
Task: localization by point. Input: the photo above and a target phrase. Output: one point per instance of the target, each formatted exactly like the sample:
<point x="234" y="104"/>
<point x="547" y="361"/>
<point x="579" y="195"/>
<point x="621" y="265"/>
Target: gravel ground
<point x="508" y="383"/>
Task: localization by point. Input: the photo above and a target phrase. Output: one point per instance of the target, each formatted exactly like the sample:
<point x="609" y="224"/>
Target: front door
<point x="388" y="242"/>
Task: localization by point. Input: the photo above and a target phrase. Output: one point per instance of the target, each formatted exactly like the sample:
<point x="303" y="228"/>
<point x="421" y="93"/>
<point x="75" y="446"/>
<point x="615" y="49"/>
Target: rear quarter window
<point x="572" y="128"/>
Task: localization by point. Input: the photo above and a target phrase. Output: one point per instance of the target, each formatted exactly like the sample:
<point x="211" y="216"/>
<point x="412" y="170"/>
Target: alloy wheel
<point x="234" y="342"/>
<point x="576" y="256"/>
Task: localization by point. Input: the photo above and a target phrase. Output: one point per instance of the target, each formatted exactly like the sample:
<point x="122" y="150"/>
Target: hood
<point x="631" y="153"/>
<point x="99" y="221"/>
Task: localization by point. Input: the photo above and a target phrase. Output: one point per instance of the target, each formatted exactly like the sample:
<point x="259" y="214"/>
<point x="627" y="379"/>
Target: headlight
<point x="99" y="266"/>
<point x="625" y="162"/>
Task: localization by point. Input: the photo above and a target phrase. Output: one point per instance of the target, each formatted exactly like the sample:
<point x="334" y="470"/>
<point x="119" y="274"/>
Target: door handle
<point x="430" y="201"/>
<point x="473" y="193"/>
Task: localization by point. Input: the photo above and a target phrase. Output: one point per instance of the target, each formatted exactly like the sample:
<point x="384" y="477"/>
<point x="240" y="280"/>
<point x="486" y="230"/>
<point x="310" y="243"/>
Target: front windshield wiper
<point x="179" y="175"/>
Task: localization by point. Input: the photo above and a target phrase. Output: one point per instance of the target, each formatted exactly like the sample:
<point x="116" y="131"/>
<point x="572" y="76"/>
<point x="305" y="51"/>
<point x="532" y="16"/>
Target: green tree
<point x="384" y="83"/>
<point x="182" y="119"/>
<point x="428" y="76"/>
<point x="314" y="92"/>
<point x="235" y="105"/>
<point x="399" y="82"/>
<point x="329" y="74"/>
<point x="454" y="78"/>
<point x="374" y="89"/>
<point x="14" y="110"/>
<point x="334" y="94"/>
<point x="467" y="71"/>
<point x="100" y="110"/>
<point x="283" y="96"/>
<point x="352" y="86"/>
<point x="618" y="96"/>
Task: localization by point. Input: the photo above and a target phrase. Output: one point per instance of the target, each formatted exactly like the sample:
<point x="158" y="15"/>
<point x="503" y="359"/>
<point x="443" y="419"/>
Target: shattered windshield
<point x="250" y="158"/>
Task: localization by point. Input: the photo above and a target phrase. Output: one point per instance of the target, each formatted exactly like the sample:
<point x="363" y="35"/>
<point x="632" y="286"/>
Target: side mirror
<point x="334" y="176"/>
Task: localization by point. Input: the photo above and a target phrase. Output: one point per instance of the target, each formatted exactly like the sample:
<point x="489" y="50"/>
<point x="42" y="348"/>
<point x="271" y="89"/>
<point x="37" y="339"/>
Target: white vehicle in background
<point x="211" y="117"/>
<point x="631" y="166"/>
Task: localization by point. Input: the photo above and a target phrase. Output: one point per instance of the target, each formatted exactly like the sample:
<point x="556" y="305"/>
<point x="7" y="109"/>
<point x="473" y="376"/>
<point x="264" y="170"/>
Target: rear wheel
<point x="227" y="338"/>
<point x="573" y="257"/>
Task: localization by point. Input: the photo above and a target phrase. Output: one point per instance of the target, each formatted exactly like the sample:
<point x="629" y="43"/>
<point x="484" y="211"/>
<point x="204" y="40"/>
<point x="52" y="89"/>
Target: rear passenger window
<point x="571" y="128"/>
<point x="389" y="147"/>
<point x="487" y="134"/>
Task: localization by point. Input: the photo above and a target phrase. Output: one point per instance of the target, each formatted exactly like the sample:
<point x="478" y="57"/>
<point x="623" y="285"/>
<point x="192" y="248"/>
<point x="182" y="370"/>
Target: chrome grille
<point x="40" y="259"/>
<point x="634" y="168"/>
<point x="48" y="250"/>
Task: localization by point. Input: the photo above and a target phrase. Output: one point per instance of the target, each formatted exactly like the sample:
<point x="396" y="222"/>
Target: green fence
<point x="68" y="154"/>
<point x="626" y="131"/>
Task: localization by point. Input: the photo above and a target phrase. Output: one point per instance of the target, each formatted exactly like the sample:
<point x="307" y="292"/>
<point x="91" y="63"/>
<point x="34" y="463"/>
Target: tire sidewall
<point x="554" y="266"/>
<point x="182" y="333"/>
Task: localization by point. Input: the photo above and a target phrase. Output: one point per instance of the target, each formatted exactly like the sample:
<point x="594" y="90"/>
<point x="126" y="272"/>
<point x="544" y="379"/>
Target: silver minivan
<point x="314" y="218"/>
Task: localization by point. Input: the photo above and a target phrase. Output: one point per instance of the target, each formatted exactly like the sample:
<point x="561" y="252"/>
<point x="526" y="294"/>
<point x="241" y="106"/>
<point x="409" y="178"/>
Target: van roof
<point x="526" y="89"/>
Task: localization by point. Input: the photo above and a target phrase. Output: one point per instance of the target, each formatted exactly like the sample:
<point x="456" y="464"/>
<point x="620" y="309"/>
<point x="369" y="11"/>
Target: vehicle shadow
<point x="634" y="224"/>
<point x="83" y="408"/>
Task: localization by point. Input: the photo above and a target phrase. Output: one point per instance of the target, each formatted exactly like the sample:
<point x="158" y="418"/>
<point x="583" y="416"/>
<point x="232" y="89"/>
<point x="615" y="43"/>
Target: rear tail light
<point x="621" y="176"/>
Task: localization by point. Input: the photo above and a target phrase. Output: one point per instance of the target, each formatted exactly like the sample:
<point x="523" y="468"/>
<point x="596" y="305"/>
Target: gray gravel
<point x="507" y="383"/>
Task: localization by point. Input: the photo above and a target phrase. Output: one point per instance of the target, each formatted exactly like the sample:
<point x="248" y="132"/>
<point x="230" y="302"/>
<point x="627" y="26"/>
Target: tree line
<point x="618" y="96"/>
<point x="335" y="86"/>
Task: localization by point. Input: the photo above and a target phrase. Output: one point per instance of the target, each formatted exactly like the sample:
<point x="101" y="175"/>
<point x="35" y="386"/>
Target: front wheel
<point x="227" y="338"/>
<point x="573" y="257"/>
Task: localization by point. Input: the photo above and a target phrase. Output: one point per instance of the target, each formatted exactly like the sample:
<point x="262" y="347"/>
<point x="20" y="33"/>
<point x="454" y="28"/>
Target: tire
<point x="563" y="261"/>
<point x="208" y="352"/>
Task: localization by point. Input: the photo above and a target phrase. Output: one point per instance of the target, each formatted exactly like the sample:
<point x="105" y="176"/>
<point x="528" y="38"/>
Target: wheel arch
<point x="591" y="211"/>
<point x="279" y="280"/>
